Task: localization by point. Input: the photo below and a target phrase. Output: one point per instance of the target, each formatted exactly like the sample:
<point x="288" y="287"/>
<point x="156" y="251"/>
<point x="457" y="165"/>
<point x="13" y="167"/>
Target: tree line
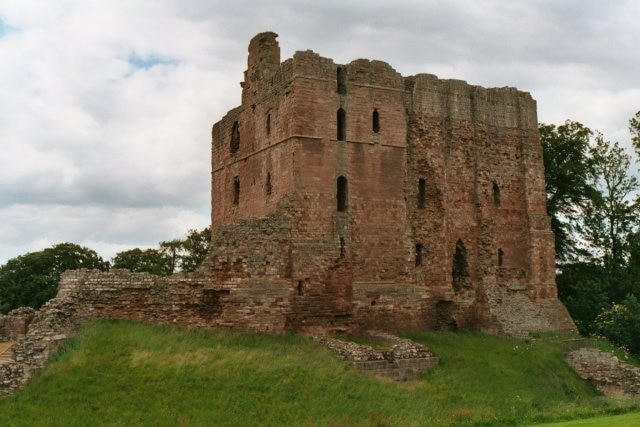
<point x="32" y="279"/>
<point x="593" y="202"/>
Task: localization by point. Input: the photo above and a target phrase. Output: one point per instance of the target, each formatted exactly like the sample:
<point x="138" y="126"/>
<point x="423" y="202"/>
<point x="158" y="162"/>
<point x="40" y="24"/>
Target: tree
<point x="621" y="324"/>
<point x="196" y="247"/>
<point x="151" y="261"/>
<point x="172" y="255"/>
<point x="610" y="217"/>
<point x="32" y="279"/>
<point x="634" y="128"/>
<point x="189" y="253"/>
<point x="584" y="290"/>
<point x="567" y="172"/>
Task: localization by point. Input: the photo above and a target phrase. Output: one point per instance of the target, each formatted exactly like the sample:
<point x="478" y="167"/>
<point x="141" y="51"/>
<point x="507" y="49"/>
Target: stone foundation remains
<point x="605" y="372"/>
<point x="403" y="360"/>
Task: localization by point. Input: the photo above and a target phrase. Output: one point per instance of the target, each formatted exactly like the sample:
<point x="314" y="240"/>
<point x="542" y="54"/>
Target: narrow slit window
<point x="500" y="257"/>
<point x="341" y="119"/>
<point x="460" y="270"/>
<point x="376" y="121"/>
<point x="268" y="124"/>
<point x="496" y="194"/>
<point x="300" y="288"/>
<point x="341" y="79"/>
<point x="268" y="187"/>
<point x="422" y="190"/>
<point x="342" y="247"/>
<point x="236" y="191"/>
<point x="418" y="255"/>
<point x="235" y="137"/>
<point x="341" y="194"/>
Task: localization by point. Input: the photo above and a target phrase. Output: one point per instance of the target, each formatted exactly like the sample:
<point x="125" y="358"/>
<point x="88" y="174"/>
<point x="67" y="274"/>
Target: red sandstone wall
<point x="357" y="268"/>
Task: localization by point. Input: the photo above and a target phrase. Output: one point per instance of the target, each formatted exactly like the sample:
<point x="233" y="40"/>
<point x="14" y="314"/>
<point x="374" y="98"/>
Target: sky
<point x="106" y="106"/>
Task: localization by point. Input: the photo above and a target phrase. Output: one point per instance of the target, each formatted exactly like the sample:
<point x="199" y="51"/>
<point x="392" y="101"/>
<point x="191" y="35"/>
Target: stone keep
<point x="362" y="199"/>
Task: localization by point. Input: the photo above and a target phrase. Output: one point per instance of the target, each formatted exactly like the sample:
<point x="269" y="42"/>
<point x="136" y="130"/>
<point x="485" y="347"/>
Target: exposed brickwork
<point x="450" y="170"/>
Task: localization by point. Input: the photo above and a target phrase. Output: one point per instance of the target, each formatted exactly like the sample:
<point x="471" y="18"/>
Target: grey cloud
<point x="106" y="136"/>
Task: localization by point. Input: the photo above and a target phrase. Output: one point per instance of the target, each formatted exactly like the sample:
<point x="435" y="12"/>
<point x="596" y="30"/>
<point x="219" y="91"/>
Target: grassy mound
<point x="123" y="373"/>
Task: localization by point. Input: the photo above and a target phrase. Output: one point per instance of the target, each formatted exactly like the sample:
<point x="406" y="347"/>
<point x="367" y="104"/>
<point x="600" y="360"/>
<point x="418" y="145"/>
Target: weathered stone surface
<point x="440" y="221"/>
<point x="403" y="360"/>
<point x="606" y="372"/>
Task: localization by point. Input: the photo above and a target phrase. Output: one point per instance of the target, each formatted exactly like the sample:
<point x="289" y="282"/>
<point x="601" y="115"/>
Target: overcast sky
<point x="106" y="106"/>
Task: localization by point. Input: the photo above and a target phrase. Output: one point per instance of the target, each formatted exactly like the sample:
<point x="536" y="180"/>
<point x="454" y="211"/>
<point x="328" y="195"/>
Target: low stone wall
<point x="606" y="372"/>
<point x="46" y="329"/>
<point x="404" y="360"/>
<point x="11" y="377"/>
<point x="16" y="323"/>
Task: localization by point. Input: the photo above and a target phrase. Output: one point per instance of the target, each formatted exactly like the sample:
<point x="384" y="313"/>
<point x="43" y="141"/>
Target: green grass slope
<point x="122" y="373"/>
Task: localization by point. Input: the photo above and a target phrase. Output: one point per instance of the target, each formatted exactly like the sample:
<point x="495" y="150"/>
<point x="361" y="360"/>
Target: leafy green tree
<point x="172" y="249"/>
<point x="609" y="218"/>
<point x="188" y="254"/>
<point x="196" y="247"/>
<point x="567" y="171"/>
<point x="151" y="261"/>
<point x="634" y="128"/>
<point x="621" y="324"/>
<point x="32" y="279"/>
<point x="584" y="289"/>
<point x="172" y="255"/>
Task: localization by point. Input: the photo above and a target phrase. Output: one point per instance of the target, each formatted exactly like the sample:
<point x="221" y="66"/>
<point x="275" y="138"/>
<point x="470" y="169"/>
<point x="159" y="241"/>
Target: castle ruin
<point x="347" y="198"/>
<point x="372" y="200"/>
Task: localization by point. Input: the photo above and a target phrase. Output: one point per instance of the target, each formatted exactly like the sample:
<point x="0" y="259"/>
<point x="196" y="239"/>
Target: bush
<point x="621" y="324"/>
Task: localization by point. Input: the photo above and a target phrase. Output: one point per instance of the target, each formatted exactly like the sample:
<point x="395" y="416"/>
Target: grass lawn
<point x="625" y="420"/>
<point x="124" y="373"/>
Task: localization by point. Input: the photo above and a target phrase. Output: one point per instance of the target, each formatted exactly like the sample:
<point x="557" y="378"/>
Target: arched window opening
<point x="422" y="190"/>
<point x="341" y="78"/>
<point x="496" y="194"/>
<point x="235" y="137"/>
<point x="236" y="191"/>
<point x="376" y="121"/>
<point x="268" y="124"/>
<point x="300" y="288"/>
<point x="341" y="119"/>
<point x="500" y="257"/>
<point x="460" y="270"/>
<point x="418" y="255"/>
<point x="341" y="194"/>
<point x="267" y="186"/>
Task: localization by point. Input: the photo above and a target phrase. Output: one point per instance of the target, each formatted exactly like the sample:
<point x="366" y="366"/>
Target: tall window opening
<point x="341" y="119"/>
<point x="268" y="124"/>
<point x="422" y="190"/>
<point x="342" y="247"/>
<point x="235" y="137"/>
<point x="300" y="288"/>
<point x="376" y="121"/>
<point x="460" y="270"/>
<point x="341" y="194"/>
<point x="236" y="191"/>
<point x="496" y="194"/>
<point x="500" y="257"/>
<point x="341" y="78"/>
<point x="267" y="186"/>
<point x="418" y="255"/>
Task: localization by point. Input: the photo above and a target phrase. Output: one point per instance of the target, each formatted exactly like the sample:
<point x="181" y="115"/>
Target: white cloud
<point x="107" y="106"/>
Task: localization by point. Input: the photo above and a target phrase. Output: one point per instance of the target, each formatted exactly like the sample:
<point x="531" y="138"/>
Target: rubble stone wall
<point x="606" y="372"/>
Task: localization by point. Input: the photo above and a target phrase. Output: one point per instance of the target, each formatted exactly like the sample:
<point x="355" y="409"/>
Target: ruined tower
<point x="349" y="197"/>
